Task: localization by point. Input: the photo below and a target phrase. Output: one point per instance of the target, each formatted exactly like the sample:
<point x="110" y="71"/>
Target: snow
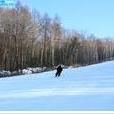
<point x="89" y="88"/>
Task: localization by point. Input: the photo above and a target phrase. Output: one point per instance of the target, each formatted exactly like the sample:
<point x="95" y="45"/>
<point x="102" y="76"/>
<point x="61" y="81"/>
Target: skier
<point x="59" y="70"/>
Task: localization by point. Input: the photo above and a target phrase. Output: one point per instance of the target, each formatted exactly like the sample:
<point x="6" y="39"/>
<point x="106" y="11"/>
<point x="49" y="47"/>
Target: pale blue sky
<point x="92" y="16"/>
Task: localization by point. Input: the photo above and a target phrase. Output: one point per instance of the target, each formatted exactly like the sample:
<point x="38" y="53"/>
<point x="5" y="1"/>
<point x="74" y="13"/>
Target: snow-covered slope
<point x="85" y="88"/>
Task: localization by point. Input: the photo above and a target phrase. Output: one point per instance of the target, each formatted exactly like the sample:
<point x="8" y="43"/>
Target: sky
<point x="89" y="16"/>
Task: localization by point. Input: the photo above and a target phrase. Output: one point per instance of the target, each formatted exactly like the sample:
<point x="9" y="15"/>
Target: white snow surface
<point x="89" y="88"/>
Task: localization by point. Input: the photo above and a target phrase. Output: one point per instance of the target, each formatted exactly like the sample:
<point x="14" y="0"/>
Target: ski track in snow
<point x="58" y="92"/>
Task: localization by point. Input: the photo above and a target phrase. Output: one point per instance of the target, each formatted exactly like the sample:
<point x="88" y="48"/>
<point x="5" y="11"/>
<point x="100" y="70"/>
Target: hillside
<point x="84" y="88"/>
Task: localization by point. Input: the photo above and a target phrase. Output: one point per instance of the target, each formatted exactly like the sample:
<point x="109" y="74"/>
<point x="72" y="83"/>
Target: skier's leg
<point x="59" y="74"/>
<point x="56" y="74"/>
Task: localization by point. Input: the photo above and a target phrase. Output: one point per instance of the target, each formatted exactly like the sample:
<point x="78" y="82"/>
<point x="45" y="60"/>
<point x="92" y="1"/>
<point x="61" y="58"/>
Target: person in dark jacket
<point x="59" y="70"/>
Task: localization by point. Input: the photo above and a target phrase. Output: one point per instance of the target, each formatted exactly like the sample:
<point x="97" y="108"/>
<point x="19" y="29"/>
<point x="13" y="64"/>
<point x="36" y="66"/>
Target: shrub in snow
<point x="8" y="73"/>
<point x="1" y="73"/>
<point x="34" y="70"/>
<point x="44" y="68"/>
<point x="25" y="71"/>
<point x="5" y="73"/>
<point x="37" y="69"/>
<point x="70" y="67"/>
<point x="14" y="73"/>
<point x="30" y="69"/>
<point x="74" y="66"/>
<point x="65" y="67"/>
